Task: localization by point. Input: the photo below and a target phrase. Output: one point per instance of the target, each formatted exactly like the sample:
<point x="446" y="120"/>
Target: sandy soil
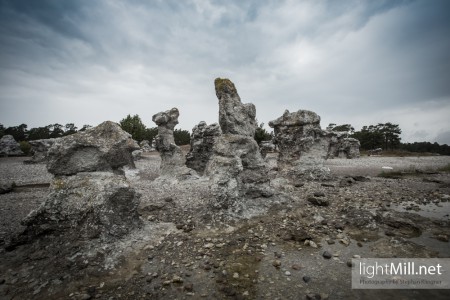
<point x="263" y="251"/>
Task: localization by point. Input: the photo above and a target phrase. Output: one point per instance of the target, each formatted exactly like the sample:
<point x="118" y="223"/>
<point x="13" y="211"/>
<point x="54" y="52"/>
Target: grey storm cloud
<point x="358" y="62"/>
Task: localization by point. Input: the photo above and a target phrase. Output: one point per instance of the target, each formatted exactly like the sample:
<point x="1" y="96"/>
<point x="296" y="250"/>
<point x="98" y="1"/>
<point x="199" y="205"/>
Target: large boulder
<point x="9" y="146"/>
<point x="234" y="116"/>
<point x="303" y="145"/>
<point x="236" y="168"/>
<point x="172" y="158"/>
<point x="103" y="148"/>
<point x="39" y="149"/>
<point x="84" y="206"/>
<point x="203" y="138"/>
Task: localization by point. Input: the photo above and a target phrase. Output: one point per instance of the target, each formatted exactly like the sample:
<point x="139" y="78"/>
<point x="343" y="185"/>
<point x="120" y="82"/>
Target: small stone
<point x="306" y="279"/>
<point x="327" y="255"/>
<point x="350" y="263"/>
<point x="189" y="287"/>
<point x="359" y="244"/>
<point x="330" y="242"/>
<point x="313" y="297"/>
<point x="85" y="297"/>
<point x="177" y="279"/>
<point x="319" y="194"/>
<point x="312" y="244"/>
<point x="287" y="273"/>
<point x="356" y="256"/>
<point x="442" y="237"/>
<point x="296" y="267"/>
<point x="276" y="263"/>
<point x="208" y="245"/>
<point x="277" y="254"/>
<point x="236" y="275"/>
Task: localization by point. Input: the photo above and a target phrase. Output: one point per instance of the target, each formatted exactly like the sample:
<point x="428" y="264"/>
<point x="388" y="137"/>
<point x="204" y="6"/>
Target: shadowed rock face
<point x="203" y="138"/>
<point x="172" y="158"/>
<point x="236" y="168"/>
<point x="234" y="116"/>
<point x="87" y="205"/>
<point x="103" y="148"/>
<point x="303" y="145"/>
<point x="9" y="146"/>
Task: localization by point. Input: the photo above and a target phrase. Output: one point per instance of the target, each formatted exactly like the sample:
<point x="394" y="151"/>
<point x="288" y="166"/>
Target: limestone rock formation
<point x="236" y="168"/>
<point x="145" y="146"/>
<point x="9" y="146"/>
<point x="302" y="144"/>
<point x="234" y="116"/>
<point x="342" y="146"/>
<point x="103" y="148"/>
<point x="267" y="147"/>
<point x="203" y="138"/>
<point x="87" y="205"/>
<point x="172" y="158"/>
<point x="39" y="149"/>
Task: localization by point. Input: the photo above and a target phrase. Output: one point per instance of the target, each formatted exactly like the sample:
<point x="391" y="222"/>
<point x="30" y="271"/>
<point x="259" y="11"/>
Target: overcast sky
<point x="358" y="62"/>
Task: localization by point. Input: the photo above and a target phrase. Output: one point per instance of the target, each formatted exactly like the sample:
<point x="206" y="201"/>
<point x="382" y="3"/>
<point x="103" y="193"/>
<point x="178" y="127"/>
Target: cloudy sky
<point x="358" y="62"/>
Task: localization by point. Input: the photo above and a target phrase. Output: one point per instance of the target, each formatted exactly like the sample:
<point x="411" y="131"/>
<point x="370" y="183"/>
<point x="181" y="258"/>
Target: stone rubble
<point x="9" y="146"/>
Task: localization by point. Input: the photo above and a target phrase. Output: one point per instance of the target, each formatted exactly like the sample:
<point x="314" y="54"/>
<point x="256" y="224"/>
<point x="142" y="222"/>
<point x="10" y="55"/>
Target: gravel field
<point x="295" y="245"/>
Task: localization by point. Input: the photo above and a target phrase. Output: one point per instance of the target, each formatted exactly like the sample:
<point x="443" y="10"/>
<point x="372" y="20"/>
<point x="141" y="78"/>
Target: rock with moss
<point x="9" y="146"/>
<point x="85" y="206"/>
<point x="234" y="116"/>
<point x="303" y="146"/>
<point x="236" y="168"/>
<point x="203" y="138"/>
<point x="103" y="148"/>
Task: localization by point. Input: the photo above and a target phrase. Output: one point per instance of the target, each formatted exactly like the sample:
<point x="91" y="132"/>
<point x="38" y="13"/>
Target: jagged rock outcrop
<point x="267" y="147"/>
<point x="236" y="168"/>
<point x="203" y="138"/>
<point x="303" y="145"/>
<point x="145" y="146"/>
<point x="9" y="146"/>
<point x="234" y="116"/>
<point x="39" y="149"/>
<point x="88" y="198"/>
<point x="84" y="206"/>
<point x="103" y="148"/>
<point x="342" y="146"/>
<point x="172" y="158"/>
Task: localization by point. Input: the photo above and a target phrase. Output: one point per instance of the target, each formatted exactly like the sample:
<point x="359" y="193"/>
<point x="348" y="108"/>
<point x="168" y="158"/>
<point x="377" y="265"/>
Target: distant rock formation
<point x="103" y="148"/>
<point x="303" y="145"/>
<point x="39" y="149"/>
<point x="145" y="146"/>
<point x="203" y="138"/>
<point x="9" y="146"/>
<point x="342" y="146"/>
<point x="172" y="158"/>
<point x="236" y="168"/>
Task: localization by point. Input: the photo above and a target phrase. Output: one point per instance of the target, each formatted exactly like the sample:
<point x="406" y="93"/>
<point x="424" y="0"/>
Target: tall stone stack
<point x="172" y="158"/>
<point x="89" y="196"/>
<point x="236" y="167"/>
<point x="303" y="146"/>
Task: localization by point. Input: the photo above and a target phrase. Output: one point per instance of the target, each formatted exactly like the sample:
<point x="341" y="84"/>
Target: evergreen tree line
<point x="131" y="124"/>
<point x="387" y="137"/>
